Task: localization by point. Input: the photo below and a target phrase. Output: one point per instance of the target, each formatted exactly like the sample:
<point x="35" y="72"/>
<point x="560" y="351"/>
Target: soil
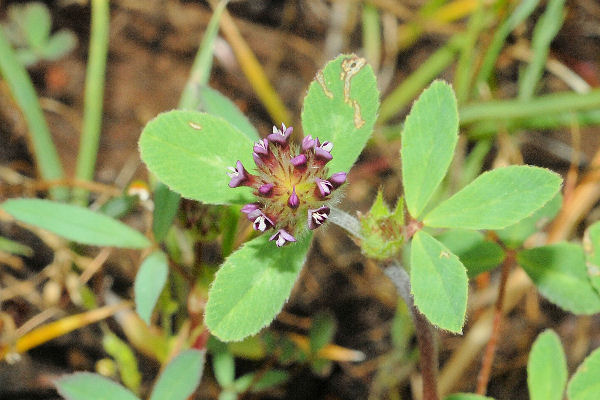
<point x="152" y="45"/>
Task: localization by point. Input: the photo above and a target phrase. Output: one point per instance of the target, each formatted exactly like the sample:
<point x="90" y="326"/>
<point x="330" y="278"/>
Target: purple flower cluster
<point x="291" y="184"/>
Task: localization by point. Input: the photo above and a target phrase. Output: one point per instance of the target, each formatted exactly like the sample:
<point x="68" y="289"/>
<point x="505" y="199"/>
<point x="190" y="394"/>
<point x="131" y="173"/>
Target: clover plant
<point x="29" y="29"/>
<point x="291" y="192"/>
<point x="287" y="186"/>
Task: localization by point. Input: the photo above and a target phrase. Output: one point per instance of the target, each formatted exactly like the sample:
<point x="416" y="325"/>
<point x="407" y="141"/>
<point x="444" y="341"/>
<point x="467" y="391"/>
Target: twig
<point x="490" y="350"/>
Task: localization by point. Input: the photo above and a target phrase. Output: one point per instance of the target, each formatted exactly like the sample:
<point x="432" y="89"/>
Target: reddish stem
<point x="490" y="350"/>
<point x="428" y="355"/>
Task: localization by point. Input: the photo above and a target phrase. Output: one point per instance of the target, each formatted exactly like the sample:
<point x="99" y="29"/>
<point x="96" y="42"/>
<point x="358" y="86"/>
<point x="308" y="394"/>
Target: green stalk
<point x="371" y="34"/>
<point x="94" y="97"/>
<point x="23" y="92"/>
<point x="544" y="32"/>
<point x="520" y="13"/>
<point x="202" y="63"/>
<point x="567" y="119"/>
<point x="464" y="68"/>
<point x="407" y="90"/>
<point x="503" y="110"/>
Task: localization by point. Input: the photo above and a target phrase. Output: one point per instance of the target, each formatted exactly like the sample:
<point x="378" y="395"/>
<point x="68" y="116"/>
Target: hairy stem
<point x="490" y="350"/>
<point x="345" y="221"/>
<point x="423" y="330"/>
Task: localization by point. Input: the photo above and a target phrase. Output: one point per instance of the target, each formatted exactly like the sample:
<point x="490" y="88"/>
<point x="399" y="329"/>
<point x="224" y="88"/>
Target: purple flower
<point x="294" y="201"/>
<point x="249" y="209"/>
<point x="261" y="147"/>
<point x="308" y="143"/>
<point x="261" y="222"/>
<point x="239" y="175"/>
<point x="299" y="160"/>
<point x="337" y="179"/>
<point x="280" y="136"/>
<point x="257" y="160"/>
<point x="265" y="188"/>
<point x="317" y="217"/>
<point x="324" y="187"/>
<point x="323" y="151"/>
<point x="282" y="237"/>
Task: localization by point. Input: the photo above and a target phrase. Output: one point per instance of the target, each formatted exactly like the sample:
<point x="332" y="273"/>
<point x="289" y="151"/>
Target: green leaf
<point x="591" y="242"/>
<point x="559" y="272"/>
<point x="12" y="247"/>
<point x="213" y="102"/>
<point x="222" y="361"/>
<point x="180" y="378"/>
<point x="547" y="368"/>
<point x="191" y="151"/>
<point x="467" y="396"/>
<point x="496" y="199"/>
<point x="149" y="282"/>
<point x="242" y="383"/>
<point x="341" y="107"/>
<point x="585" y="385"/>
<point x="166" y="204"/>
<point x="75" y="223"/>
<point x="59" y="44"/>
<point x="87" y="386"/>
<point x="37" y="24"/>
<point x="475" y="252"/>
<point x="270" y="379"/>
<point x="439" y="282"/>
<point x="515" y="235"/>
<point x="120" y="206"/>
<point x="322" y="331"/>
<point x="227" y="395"/>
<point x="428" y="141"/>
<point x="125" y="359"/>
<point x="252" y="285"/>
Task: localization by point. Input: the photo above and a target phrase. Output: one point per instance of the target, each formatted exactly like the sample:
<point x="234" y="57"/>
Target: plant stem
<point x="505" y="110"/>
<point x="411" y="86"/>
<point x="424" y="331"/>
<point x="93" y="97"/>
<point x="22" y="90"/>
<point x="200" y="72"/>
<point x="490" y="350"/>
<point x="345" y="221"/>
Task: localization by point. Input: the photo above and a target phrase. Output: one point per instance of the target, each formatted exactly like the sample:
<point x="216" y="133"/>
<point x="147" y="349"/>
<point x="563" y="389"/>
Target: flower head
<point x="292" y="185"/>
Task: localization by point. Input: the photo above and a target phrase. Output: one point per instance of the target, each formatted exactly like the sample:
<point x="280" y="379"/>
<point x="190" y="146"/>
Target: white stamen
<point x="275" y="130"/>
<point x="319" y="218"/>
<point x="327" y="146"/>
<point x="260" y="223"/>
<point x="234" y="172"/>
<point x="280" y="241"/>
<point x="325" y="185"/>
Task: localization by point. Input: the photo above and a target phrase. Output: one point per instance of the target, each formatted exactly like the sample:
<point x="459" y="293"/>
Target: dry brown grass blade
<point x="58" y="328"/>
<point x="253" y="70"/>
